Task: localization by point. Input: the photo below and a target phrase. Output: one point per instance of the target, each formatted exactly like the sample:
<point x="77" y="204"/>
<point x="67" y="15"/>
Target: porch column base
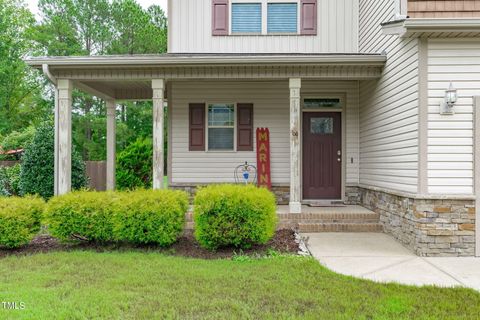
<point x="295" y="207"/>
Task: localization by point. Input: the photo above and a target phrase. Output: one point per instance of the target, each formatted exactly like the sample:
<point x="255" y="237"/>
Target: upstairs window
<point x="247" y="18"/>
<point x="282" y="17"/>
<point x="264" y="17"/>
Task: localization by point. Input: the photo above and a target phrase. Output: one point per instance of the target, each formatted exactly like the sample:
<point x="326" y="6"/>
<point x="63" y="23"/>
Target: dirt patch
<point x="186" y="246"/>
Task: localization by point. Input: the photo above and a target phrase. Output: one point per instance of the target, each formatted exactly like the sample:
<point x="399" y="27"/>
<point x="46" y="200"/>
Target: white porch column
<point x="64" y="136"/>
<point x="158" y="86"/>
<point x="295" y="170"/>
<point x="111" y="143"/>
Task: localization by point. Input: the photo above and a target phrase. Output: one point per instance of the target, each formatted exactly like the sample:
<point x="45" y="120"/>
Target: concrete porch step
<point x="339" y="227"/>
<point x="320" y="217"/>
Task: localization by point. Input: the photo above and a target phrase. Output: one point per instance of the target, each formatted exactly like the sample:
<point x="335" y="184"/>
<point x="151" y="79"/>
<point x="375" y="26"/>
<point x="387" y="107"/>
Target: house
<point x="373" y="102"/>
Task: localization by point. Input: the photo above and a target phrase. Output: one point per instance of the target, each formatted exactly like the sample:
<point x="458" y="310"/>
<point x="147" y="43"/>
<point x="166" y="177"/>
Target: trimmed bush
<point x="139" y="217"/>
<point x="234" y="215"/>
<point x="19" y="220"/>
<point x="37" y="173"/>
<point x="150" y="216"/>
<point x="82" y="215"/>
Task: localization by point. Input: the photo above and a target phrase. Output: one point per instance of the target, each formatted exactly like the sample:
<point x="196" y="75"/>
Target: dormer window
<point x="264" y="17"/>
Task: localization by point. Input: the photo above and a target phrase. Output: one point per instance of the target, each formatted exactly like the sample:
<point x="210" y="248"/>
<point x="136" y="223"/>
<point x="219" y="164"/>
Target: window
<point x="246" y="18"/>
<point x="323" y="103"/>
<point x="221" y="126"/>
<point x="321" y="126"/>
<point x="282" y="17"/>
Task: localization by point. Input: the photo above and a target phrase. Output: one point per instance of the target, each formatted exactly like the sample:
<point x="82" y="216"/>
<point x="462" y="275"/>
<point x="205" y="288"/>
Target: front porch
<point x="159" y="78"/>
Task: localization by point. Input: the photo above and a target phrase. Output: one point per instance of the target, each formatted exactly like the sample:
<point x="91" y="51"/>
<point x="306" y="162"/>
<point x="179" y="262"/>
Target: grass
<point x="133" y="285"/>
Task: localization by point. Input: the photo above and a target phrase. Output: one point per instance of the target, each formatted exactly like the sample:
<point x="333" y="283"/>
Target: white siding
<point x="190" y="31"/>
<point x="450" y="137"/>
<point x="389" y="106"/>
<point x="271" y="109"/>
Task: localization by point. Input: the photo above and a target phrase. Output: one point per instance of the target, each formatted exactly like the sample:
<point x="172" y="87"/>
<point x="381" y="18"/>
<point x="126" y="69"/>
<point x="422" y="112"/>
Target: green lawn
<point x="135" y="285"/>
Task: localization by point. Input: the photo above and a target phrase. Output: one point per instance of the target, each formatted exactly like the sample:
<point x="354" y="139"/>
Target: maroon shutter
<point x="220" y="17"/>
<point x="196" y="127"/>
<point x="308" y="23"/>
<point x="245" y="127"/>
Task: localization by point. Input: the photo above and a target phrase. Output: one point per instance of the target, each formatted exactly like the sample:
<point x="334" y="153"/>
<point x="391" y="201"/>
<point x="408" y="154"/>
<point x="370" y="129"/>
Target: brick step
<point x="339" y="227"/>
<point x="329" y="216"/>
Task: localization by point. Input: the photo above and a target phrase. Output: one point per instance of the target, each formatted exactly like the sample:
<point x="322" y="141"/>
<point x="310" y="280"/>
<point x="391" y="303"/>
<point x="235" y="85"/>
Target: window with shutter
<point x="197" y="127"/>
<point x="245" y="127"/>
<point x="219" y="17"/>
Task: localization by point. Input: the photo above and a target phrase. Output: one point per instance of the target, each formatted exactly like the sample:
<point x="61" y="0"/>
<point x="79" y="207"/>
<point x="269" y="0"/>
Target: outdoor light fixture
<point x="446" y="107"/>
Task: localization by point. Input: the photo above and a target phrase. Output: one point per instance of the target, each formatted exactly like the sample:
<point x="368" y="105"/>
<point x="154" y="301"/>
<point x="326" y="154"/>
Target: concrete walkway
<point x="378" y="257"/>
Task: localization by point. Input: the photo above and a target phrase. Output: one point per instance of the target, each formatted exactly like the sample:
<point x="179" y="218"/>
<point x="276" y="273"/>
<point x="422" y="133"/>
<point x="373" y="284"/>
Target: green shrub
<point x="19" y="220"/>
<point x="10" y="180"/>
<point x="149" y="216"/>
<point x="37" y="173"/>
<point x="135" y="165"/>
<point x="18" y="139"/>
<point x="138" y="217"/>
<point x="83" y="215"/>
<point x="234" y="215"/>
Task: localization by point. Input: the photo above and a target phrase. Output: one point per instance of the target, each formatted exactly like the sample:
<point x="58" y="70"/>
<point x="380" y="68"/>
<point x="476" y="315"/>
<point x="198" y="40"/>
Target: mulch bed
<point x="186" y="246"/>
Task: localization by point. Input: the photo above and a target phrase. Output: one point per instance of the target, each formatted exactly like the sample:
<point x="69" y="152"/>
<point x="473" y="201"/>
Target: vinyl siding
<point x="190" y="31"/>
<point x="450" y="137"/>
<point x="388" y="106"/>
<point x="271" y="110"/>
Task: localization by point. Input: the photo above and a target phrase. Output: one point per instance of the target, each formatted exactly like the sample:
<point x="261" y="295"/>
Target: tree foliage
<point x="37" y="173"/>
<point x="135" y="165"/>
<point x="19" y="89"/>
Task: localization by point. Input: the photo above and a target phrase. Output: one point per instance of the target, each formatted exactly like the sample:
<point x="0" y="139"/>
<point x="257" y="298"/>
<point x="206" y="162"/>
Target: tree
<point x="19" y="90"/>
<point x="93" y="27"/>
<point x="37" y="168"/>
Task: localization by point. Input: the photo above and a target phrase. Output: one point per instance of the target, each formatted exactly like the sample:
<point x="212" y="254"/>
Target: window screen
<point x="282" y="17"/>
<point x="246" y="17"/>
<point x="221" y="125"/>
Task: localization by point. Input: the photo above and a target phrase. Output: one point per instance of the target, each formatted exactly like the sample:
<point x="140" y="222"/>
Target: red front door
<point x="322" y="154"/>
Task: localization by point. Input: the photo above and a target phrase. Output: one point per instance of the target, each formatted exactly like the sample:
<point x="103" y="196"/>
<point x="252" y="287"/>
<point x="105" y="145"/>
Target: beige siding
<point x="450" y="137"/>
<point x="389" y="106"/>
<point x="271" y="109"/>
<point x="190" y="30"/>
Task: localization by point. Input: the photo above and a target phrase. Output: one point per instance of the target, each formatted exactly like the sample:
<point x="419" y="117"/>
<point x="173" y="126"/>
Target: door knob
<point x="339" y="159"/>
<point x="339" y="153"/>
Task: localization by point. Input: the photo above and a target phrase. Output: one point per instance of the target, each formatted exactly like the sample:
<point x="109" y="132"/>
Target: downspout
<point x="53" y="80"/>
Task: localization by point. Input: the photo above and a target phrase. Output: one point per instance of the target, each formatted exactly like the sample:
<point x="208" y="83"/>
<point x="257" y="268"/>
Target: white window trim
<point x="264" y="18"/>
<point x="207" y="149"/>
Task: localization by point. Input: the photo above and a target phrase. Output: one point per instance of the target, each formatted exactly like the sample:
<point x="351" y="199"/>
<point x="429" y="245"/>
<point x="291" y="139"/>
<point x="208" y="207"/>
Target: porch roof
<point x="433" y="28"/>
<point x="126" y="77"/>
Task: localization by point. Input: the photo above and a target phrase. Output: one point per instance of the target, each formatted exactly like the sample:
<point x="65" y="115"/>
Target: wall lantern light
<point x="451" y="97"/>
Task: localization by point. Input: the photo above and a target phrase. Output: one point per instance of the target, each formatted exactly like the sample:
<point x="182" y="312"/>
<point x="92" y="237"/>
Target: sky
<point x="32" y="4"/>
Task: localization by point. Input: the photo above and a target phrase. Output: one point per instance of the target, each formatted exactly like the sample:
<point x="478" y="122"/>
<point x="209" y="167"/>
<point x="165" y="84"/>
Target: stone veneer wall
<point x="430" y="227"/>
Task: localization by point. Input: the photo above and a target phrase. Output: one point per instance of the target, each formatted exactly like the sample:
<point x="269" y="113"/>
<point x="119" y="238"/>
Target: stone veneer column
<point x="158" y="86"/>
<point x="295" y="169"/>
<point x="63" y="133"/>
<point x="111" y="143"/>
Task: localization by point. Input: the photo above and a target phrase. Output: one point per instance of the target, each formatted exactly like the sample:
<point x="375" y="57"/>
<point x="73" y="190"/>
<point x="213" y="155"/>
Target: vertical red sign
<point x="263" y="158"/>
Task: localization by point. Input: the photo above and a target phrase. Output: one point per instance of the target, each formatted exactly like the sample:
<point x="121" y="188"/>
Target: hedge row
<point x="139" y="217"/>
<point x="224" y="215"/>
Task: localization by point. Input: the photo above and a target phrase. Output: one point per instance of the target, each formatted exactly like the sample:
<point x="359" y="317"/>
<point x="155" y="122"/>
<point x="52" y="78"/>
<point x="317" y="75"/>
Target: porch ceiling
<point x="129" y="77"/>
